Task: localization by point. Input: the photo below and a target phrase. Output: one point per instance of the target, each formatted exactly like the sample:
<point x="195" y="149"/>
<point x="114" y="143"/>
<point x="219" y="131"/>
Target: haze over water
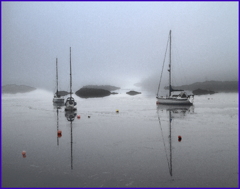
<point x="131" y="148"/>
<point x="118" y="43"/>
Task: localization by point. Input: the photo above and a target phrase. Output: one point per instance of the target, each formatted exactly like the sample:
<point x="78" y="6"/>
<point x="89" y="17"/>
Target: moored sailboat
<point x="173" y="99"/>
<point x="70" y="102"/>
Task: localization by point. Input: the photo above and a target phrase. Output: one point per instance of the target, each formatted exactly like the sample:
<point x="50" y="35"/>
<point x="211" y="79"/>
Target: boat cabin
<point x="180" y="95"/>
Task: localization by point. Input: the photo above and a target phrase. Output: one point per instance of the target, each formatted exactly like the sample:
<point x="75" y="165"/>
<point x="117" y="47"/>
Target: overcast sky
<point x="117" y="43"/>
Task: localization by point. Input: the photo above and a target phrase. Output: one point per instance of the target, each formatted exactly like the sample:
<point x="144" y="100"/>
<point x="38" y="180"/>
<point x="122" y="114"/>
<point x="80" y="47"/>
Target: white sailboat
<point x="173" y="99"/>
<point x="57" y="99"/>
<point x="70" y="102"/>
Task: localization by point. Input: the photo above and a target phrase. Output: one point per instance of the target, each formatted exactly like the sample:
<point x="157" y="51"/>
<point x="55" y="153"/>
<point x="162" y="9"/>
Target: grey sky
<point x="117" y="43"/>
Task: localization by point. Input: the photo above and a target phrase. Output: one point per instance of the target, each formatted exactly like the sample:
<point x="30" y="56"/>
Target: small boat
<point x="70" y="102"/>
<point x="181" y="98"/>
<point x="57" y="99"/>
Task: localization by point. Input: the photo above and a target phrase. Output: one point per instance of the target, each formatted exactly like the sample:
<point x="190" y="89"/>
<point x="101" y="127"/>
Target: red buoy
<point x="78" y="116"/>
<point x="24" y="154"/>
<point x="179" y="138"/>
<point x="59" y="133"/>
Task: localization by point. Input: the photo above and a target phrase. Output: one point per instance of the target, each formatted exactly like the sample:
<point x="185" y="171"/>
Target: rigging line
<point x="163" y="66"/>
<point x="164" y="142"/>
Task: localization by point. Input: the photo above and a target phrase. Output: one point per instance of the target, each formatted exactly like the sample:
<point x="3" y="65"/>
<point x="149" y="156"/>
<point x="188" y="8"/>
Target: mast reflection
<point x="58" y="106"/>
<point x="173" y="112"/>
<point x="70" y="115"/>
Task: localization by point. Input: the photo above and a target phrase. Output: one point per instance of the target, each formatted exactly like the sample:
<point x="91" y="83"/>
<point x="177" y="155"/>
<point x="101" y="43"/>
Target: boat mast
<point x="57" y="74"/>
<point x="70" y="75"/>
<point x="170" y="87"/>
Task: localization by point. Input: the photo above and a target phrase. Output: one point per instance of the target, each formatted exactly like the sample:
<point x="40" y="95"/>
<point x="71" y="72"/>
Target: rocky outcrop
<point x="63" y="93"/>
<point x="105" y="87"/>
<point x="92" y="93"/>
<point x="133" y="93"/>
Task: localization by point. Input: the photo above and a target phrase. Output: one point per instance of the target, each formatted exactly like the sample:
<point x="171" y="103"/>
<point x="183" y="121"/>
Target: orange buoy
<point x="78" y="116"/>
<point x="59" y="133"/>
<point x="24" y="154"/>
<point x="179" y="138"/>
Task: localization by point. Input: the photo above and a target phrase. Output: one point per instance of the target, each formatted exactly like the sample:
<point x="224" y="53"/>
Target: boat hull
<point x="173" y="101"/>
<point x="58" y="100"/>
<point x="70" y="104"/>
<point x="70" y="108"/>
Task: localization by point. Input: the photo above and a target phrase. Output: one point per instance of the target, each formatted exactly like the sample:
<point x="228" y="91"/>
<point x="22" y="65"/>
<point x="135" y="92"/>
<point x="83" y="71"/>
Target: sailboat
<point x="173" y="99"/>
<point x="57" y="99"/>
<point x="70" y="102"/>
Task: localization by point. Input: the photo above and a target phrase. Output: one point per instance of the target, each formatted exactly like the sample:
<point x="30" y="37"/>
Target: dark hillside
<point x="217" y="86"/>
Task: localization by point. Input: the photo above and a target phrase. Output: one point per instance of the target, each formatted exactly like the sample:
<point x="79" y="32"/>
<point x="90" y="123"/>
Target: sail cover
<point x="172" y="90"/>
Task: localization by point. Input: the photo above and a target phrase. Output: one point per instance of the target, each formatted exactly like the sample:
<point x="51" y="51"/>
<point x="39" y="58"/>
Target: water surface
<point x="137" y="147"/>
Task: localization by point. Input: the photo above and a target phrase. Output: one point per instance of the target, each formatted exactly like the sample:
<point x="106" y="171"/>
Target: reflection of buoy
<point x="78" y="116"/>
<point x="24" y="153"/>
<point x="59" y="133"/>
<point x="117" y="111"/>
<point x="179" y="138"/>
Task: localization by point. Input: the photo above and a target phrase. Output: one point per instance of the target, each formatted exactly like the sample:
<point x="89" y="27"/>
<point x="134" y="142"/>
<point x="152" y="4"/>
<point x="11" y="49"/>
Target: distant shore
<point x="214" y="86"/>
<point x="202" y="92"/>
<point x="14" y="89"/>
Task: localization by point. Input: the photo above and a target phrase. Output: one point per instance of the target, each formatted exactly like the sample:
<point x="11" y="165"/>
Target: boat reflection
<point x="58" y="105"/>
<point x="176" y="109"/>
<point x="173" y="112"/>
<point x="59" y="132"/>
<point x="70" y="115"/>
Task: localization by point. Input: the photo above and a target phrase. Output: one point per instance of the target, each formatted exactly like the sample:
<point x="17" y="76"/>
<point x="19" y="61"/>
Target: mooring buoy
<point x="24" y="153"/>
<point x="179" y="138"/>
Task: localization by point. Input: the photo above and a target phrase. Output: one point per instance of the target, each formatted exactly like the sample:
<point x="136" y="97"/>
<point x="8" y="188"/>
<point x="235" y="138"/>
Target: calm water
<point x="137" y="147"/>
